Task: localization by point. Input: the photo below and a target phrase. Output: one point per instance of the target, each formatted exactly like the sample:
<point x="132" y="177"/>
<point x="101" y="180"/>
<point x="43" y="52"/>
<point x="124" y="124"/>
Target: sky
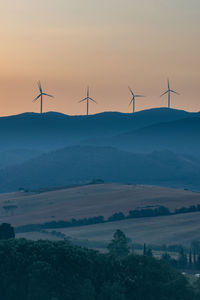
<point x="106" y="44"/>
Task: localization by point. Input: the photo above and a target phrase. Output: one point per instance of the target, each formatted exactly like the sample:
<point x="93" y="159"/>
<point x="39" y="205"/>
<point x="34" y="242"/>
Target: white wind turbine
<point x="88" y="99"/>
<point x="133" y="98"/>
<point x="169" y="91"/>
<point x="41" y="97"/>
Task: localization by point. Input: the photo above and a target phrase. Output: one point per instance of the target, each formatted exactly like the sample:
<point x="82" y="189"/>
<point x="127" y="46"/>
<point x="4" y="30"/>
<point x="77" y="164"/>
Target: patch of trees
<point x="45" y="270"/>
<point x="188" y="258"/>
<point x="141" y="213"/>
<point x="60" y="224"/>
<point x="184" y="210"/>
<point x="156" y="212"/>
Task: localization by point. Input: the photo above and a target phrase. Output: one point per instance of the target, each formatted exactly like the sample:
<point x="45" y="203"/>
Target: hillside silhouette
<point x="179" y="135"/>
<point x="82" y="164"/>
<point x="54" y="130"/>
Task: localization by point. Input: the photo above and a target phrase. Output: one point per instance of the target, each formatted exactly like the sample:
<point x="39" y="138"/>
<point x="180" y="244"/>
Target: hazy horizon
<point x="92" y="113"/>
<point x="106" y="45"/>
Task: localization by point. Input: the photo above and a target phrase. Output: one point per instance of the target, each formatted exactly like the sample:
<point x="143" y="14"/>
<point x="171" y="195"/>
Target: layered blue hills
<point x="83" y="164"/>
<point x="157" y="146"/>
<point x="54" y="130"/>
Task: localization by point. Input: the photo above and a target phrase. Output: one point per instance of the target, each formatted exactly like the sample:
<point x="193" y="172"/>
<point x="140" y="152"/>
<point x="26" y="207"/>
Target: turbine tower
<point x="133" y="99"/>
<point x="169" y="91"/>
<point x="88" y="99"/>
<point x="41" y="96"/>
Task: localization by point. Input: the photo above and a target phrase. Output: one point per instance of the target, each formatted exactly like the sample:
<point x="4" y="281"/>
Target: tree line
<point x="133" y="214"/>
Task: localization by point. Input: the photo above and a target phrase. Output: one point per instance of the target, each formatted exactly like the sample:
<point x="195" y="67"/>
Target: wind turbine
<point x="41" y="96"/>
<point x="169" y="91"/>
<point x="88" y="99"/>
<point x="133" y="99"/>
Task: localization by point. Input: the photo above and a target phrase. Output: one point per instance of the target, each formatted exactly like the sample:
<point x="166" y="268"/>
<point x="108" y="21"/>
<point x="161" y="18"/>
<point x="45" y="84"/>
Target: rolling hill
<point x="89" y="201"/>
<point x="82" y="164"/>
<point x="171" y="230"/>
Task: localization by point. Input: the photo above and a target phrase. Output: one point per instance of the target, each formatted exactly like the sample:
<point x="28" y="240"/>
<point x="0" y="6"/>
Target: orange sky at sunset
<point x="107" y="45"/>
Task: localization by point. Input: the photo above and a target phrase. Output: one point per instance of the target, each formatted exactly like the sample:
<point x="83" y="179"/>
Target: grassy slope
<point x="179" y="229"/>
<point x="90" y="201"/>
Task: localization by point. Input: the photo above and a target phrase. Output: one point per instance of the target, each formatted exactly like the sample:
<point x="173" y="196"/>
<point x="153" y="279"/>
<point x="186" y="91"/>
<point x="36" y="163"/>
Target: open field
<point x="89" y="201"/>
<point x="176" y="229"/>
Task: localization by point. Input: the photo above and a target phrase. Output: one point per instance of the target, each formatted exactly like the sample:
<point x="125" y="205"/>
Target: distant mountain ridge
<point x="54" y="130"/>
<point x="82" y="164"/>
<point x="179" y="135"/>
<point x="157" y="146"/>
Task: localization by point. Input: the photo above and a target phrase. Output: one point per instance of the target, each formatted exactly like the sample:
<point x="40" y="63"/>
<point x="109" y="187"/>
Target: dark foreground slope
<point x="82" y="164"/>
<point x="54" y="130"/>
<point x="59" y="270"/>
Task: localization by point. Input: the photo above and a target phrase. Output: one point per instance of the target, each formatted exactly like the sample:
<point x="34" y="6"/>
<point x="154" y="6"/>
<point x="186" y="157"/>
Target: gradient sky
<point x="107" y="44"/>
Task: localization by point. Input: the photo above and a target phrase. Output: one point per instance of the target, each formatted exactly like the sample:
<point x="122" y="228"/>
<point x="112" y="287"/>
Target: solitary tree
<point x="119" y="246"/>
<point x="6" y="232"/>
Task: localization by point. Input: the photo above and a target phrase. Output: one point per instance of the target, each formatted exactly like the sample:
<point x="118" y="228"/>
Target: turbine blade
<point x="83" y="100"/>
<point x="40" y="86"/>
<point x="34" y="100"/>
<point x="168" y="84"/>
<point x="48" y="95"/>
<point x="164" y="93"/>
<point x="139" y="96"/>
<point x="130" y="102"/>
<point x="92" y="100"/>
<point x="174" y="92"/>
<point x="131" y="91"/>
